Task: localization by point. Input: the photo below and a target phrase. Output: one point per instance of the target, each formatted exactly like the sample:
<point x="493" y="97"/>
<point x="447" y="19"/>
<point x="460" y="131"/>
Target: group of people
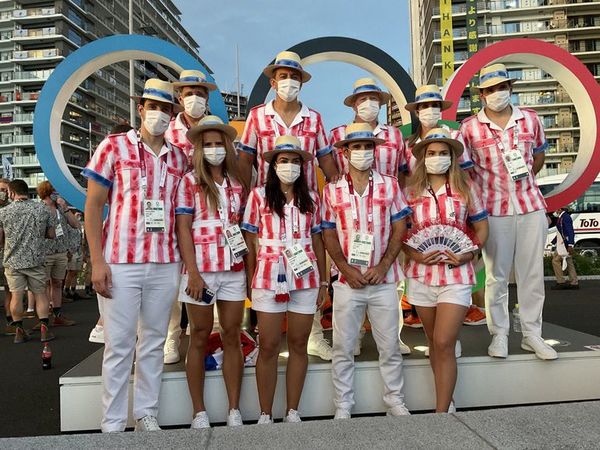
<point x="178" y="190"/>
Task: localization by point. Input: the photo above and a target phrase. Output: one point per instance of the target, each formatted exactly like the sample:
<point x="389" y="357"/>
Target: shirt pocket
<point x="127" y="175"/>
<point x="344" y="211"/>
<point x="484" y="151"/>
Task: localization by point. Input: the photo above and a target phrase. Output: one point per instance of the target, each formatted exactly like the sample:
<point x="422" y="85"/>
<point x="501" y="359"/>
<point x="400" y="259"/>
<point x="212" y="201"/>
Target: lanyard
<point x="437" y="203"/>
<point x="369" y="203"/>
<point x="499" y="141"/>
<point x="184" y="121"/>
<point x="163" y="170"/>
<point x="295" y="225"/>
<point x="231" y="198"/>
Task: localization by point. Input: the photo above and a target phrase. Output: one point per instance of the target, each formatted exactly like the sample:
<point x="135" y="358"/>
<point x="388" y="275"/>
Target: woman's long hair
<point x="202" y="172"/>
<point x="459" y="182"/>
<point x="413" y="138"/>
<point x="276" y="199"/>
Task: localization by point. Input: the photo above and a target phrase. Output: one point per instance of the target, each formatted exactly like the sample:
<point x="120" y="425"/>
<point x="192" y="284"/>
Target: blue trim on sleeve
<point x="246" y="149"/>
<point x="94" y="176"/>
<point x="249" y="228"/>
<point x="479" y="216"/>
<point x="467" y="165"/>
<point x="316" y="229"/>
<point x="541" y="148"/>
<point x="327" y="225"/>
<point x="401" y="215"/>
<point x="184" y="210"/>
<point x="324" y="151"/>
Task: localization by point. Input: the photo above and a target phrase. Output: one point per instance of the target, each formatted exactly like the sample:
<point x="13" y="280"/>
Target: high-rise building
<point x="37" y="35"/>
<point x="231" y="104"/>
<point x="393" y="114"/>
<point x="573" y="25"/>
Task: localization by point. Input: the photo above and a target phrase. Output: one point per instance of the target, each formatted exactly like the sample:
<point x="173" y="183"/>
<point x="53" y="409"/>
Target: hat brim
<point x="268" y="71"/>
<point x="209" y="86"/>
<point x="343" y="142"/>
<point x="413" y="106"/>
<point x="456" y="146"/>
<point x="177" y="108"/>
<point x="194" y="132"/>
<point x="384" y="97"/>
<point x="269" y="156"/>
<point x="495" y="81"/>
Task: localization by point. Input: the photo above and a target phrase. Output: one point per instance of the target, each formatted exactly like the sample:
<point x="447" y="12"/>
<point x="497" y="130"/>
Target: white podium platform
<point x="482" y="381"/>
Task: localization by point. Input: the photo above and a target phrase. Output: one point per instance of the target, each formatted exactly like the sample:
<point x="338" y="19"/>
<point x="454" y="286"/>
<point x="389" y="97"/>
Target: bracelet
<point x="324" y="284"/>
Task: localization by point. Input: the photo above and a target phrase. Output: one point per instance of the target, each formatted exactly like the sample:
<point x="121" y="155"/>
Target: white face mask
<point x="498" y="101"/>
<point x="368" y="110"/>
<point x="362" y="159"/>
<point x="214" y="155"/>
<point x="194" y="105"/>
<point x="430" y="117"/>
<point x="288" y="89"/>
<point x="156" y="122"/>
<point x="288" y="173"/>
<point x="437" y="165"/>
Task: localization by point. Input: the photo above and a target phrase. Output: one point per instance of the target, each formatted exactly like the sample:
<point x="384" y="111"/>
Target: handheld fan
<point x="440" y="237"/>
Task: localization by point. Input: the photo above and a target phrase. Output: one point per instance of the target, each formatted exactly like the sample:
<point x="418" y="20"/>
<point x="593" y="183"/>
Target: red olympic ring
<point x="550" y="52"/>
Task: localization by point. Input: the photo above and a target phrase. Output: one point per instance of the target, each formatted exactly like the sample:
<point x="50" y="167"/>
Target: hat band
<point x="428" y="96"/>
<point x="288" y="62"/>
<point x="496" y="74"/>
<point x="366" y="88"/>
<point x="211" y="122"/>
<point x="192" y="79"/>
<point x="287" y="147"/>
<point x="158" y="93"/>
<point x="360" y="135"/>
<point x="436" y="136"/>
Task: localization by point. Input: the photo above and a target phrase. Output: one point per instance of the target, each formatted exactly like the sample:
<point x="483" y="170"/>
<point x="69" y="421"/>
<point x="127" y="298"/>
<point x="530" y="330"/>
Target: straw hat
<point x="287" y="144"/>
<point x="438" y="135"/>
<point x="194" y="78"/>
<point x="492" y="75"/>
<point x="358" y="132"/>
<point x="428" y="93"/>
<point x="289" y="60"/>
<point x="209" y="123"/>
<point x="161" y="91"/>
<point x="364" y="85"/>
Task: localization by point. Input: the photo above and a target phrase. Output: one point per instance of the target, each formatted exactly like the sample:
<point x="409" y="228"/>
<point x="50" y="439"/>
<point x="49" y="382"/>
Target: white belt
<point x="277" y="243"/>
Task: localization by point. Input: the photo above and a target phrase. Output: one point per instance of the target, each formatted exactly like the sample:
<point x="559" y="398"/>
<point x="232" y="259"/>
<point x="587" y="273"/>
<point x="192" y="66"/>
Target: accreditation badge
<point x="235" y="241"/>
<point x="361" y="247"/>
<point x="59" y="230"/>
<point x="154" y="216"/>
<point x="515" y="164"/>
<point x="298" y="260"/>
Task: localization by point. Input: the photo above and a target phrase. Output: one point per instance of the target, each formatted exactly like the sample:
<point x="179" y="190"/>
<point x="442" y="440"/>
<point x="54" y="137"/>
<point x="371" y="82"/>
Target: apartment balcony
<point x="460" y="33"/>
<point x="42" y="14"/>
<point x="16" y="140"/>
<point x="34" y="56"/>
<point x="17" y="119"/>
<point x="34" y="34"/>
<point x="34" y="179"/>
<point x="25" y="76"/>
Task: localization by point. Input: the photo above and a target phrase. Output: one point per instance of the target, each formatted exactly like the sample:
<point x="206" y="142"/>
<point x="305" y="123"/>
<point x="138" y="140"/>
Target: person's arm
<point x="247" y="149"/>
<point x="187" y="249"/>
<point x="376" y="274"/>
<point x="319" y="249"/>
<point x="250" y="259"/>
<point x="538" y="161"/>
<point x="329" y="167"/>
<point x="97" y="195"/>
<point x="540" y="144"/>
<point x="71" y="219"/>
<point x="1" y="237"/>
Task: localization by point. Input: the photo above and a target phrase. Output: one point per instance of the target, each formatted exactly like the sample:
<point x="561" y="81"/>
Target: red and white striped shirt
<point x="464" y="160"/>
<point x="264" y="125"/>
<point x="452" y="208"/>
<point x="389" y="205"/>
<point x="389" y="156"/>
<point x="208" y="224"/>
<point x="176" y="135"/>
<point x="116" y="165"/>
<point x="501" y="194"/>
<point x="299" y="228"/>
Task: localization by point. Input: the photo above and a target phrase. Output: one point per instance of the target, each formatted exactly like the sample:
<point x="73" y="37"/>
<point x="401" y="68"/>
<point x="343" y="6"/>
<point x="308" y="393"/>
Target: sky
<point x="263" y="28"/>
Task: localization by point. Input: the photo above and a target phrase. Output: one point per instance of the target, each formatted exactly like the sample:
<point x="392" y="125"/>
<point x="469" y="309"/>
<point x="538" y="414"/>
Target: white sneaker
<point x="499" y="346"/>
<point x="235" y="418"/>
<point x="341" y="414"/>
<point x="97" y="335"/>
<point x="200" y="421"/>
<point x="171" y="351"/>
<point x="147" y="423"/>
<point x="404" y="349"/>
<point x="264" y="419"/>
<point x="537" y="345"/>
<point x="292" y="417"/>
<point x="398" y="410"/>
<point x="452" y="407"/>
<point x="457" y="349"/>
<point x="320" y="348"/>
<point x="358" y="345"/>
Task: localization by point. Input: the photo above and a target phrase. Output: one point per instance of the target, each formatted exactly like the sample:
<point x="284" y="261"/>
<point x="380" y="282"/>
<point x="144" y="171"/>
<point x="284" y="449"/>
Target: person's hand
<point x="102" y="279"/>
<point x="69" y="256"/>
<point x="376" y="275"/>
<point x="570" y="249"/>
<point x="61" y="202"/>
<point x="458" y="260"/>
<point x="354" y="277"/>
<point x="430" y="258"/>
<point x="195" y="286"/>
<point x="321" y="297"/>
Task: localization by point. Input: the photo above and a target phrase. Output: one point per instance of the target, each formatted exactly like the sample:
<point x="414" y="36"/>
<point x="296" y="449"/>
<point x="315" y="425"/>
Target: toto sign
<point x="565" y="68"/>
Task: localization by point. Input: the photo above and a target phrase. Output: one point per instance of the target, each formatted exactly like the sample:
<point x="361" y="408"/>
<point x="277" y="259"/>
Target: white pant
<point x="349" y="308"/>
<point x="518" y="239"/>
<point x="174" y="329"/>
<point x="140" y="293"/>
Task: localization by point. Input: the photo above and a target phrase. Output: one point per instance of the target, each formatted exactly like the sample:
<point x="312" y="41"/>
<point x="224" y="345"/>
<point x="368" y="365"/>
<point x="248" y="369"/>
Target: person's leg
<point x="557" y="267"/>
<point x="7" y="301"/>
<point x="160" y="283"/>
<point x="448" y="320"/>
<point x="427" y="316"/>
<point x="269" y="329"/>
<point x="573" y="281"/>
<point x="31" y="301"/>
<point x="231" y="314"/>
<point x="299" y="328"/>
<point x="173" y="334"/>
<point x="201" y="322"/>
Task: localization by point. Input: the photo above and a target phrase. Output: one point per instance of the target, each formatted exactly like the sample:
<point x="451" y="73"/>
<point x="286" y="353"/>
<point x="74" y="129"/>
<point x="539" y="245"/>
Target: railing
<point x="34" y="12"/>
<point x="34" y="32"/>
<point x="40" y="53"/>
<point x="26" y="160"/>
<point x="461" y="32"/>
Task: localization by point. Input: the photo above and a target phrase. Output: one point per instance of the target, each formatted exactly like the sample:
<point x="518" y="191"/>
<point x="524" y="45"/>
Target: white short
<point x="302" y="301"/>
<point x="420" y="294"/>
<point x="228" y="286"/>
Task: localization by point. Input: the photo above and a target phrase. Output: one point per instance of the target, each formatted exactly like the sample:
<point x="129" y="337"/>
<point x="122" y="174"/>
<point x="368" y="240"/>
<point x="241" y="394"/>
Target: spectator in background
<point x="56" y="250"/>
<point x="9" y="330"/>
<point x="563" y="251"/>
<point x="74" y="259"/>
<point x="24" y="224"/>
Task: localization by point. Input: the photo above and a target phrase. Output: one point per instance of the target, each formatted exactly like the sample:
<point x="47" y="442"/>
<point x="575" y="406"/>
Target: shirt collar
<point x="517" y="114"/>
<point x="377" y="179"/>
<point x="166" y="148"/>
<point x="270" y="111"/>
<point x="179" y="123"/>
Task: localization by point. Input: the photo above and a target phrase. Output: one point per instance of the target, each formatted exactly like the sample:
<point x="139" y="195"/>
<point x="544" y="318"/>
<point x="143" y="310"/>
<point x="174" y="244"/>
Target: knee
<point x="444" y="345"/>
<point x="297" y="344"/>
<point x="56" y="283"/>
<point x="268" y="348"/>
<point x="231" y="336"/>
<point x="199" y="336"/>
